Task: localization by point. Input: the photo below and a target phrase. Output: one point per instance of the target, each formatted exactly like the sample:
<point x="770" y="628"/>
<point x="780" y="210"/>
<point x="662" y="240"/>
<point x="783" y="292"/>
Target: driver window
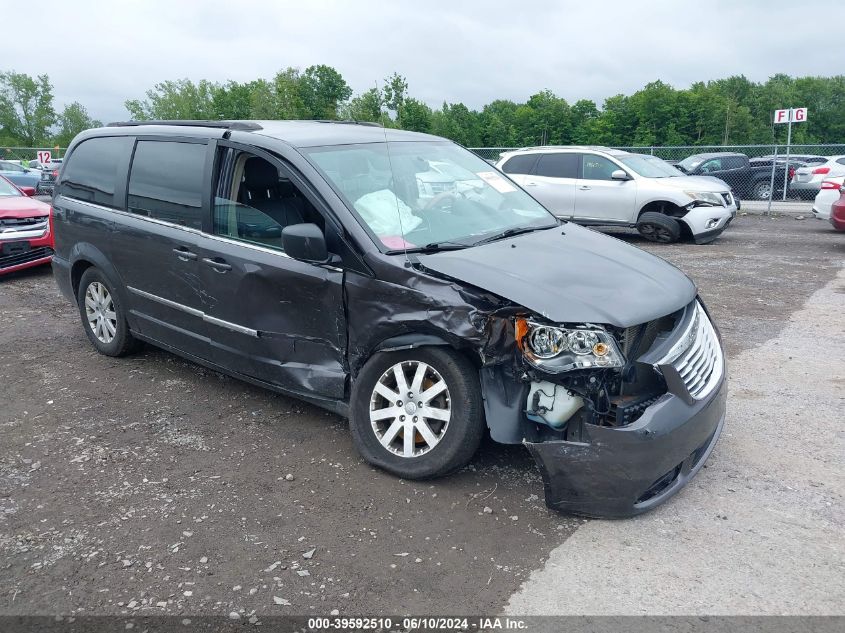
<point x="253" y="202"/>
<point x="711" y="165"/>
<point x="597" y="167"/>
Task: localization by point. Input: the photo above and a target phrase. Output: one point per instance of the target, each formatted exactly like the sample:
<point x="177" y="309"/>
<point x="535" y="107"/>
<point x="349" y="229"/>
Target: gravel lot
<point x="152" y="485"/>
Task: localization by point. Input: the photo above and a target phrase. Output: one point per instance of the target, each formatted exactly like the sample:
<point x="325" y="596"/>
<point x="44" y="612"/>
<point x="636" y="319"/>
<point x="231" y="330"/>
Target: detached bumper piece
<point x="620" y="472"/>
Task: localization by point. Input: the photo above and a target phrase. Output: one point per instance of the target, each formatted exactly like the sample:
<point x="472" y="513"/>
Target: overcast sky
<point x="102" y="53"/>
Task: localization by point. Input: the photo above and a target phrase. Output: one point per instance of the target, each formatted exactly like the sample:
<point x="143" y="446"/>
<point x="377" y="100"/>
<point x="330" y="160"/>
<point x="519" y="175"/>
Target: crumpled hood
<point x="696" y="183"/>
<point x="581" y="276"/>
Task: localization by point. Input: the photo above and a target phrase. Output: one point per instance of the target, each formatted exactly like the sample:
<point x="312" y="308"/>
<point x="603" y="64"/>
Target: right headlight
<point x="706" y="196"/>
<point x="557" y="349"/>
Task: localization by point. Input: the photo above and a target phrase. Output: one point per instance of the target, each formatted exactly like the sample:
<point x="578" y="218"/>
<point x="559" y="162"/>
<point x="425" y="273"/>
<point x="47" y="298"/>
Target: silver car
<point x="602" y="186"/>
<point x="807" y="181"/>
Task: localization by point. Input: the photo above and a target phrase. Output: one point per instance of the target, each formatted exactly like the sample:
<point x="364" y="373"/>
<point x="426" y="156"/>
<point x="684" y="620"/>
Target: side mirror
<point x="27" y="191"/>
<point x="305" y="242"/>
<point x="620" y="174"/>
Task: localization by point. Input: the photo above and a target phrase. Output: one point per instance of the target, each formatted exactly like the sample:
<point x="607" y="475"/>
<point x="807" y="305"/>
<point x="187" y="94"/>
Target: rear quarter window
<point x="522" y="164"/>
<point x="166" y="180"/>
<point x="91" y="170"/>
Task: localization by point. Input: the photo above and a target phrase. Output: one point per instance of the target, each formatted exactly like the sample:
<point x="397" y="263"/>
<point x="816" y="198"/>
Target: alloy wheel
<point x="99" y="310"/>
<point x="410" y="408"/>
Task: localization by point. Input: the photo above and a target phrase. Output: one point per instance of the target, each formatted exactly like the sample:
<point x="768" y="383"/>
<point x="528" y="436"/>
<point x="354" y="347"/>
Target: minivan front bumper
<point x="624" y="471"/>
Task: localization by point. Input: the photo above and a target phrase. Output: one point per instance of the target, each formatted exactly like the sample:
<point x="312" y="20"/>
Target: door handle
<point x="184" y="254"/>
<point x="219" y="266"/>
<point x="530" y="184"/>
<point x="585" y="187"/>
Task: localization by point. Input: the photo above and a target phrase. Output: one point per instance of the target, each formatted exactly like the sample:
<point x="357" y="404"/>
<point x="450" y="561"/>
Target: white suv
<point x="602" y="186"/>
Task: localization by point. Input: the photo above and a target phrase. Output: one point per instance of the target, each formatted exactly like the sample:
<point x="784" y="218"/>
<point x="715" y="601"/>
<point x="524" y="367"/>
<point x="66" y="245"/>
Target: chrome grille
<point x="699" y="362"/>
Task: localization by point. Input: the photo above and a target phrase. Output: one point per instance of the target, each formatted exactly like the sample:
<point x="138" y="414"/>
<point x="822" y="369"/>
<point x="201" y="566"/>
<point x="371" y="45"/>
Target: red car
<point x="837" y="211"/>
<point x="26" y="238"/>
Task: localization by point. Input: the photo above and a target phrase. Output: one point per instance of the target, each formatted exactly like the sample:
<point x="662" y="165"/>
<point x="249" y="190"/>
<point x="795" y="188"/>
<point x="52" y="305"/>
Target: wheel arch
<point x="415" y="340"/>
<point x="85" y="255"/>
<point x="664" y="206"/>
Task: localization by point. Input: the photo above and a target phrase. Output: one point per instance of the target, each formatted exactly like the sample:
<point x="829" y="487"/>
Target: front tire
<point x="657" y="227"/>
<point x="103" y="316"/>
<point x="762" y="191"/>
<point x="417" y="413"/>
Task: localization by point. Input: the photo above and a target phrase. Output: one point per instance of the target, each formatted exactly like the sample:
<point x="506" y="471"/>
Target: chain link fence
<point x="791" y="177"/>
<point x="27" y="154"/>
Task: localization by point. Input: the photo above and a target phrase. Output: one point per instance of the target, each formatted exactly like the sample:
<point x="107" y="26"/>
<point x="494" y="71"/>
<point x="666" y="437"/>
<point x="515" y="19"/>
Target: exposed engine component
<point x="551" y="404"/>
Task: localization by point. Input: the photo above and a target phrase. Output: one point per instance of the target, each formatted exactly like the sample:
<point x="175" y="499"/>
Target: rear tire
<point x="417" y="413"/>
<point x="103" y="316"/>
<point x="657" y="227"/>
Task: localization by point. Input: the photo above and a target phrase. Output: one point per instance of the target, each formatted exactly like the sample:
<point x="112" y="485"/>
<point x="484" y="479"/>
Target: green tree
<point x="395" y="92"/>
<point x="548" y="121"/>
<point x="232" y="101"/>
<point x="323" y="90"/>
<point x="181" y="99"/>
<point x="457" y="122"/>
<point x="414" y="115"/>
<point x="73" y="120"/>
<point x="364" y="107"/>
<point x="289" y="95"/>
<point x="26" y="108"/>
<point x="584" y="115"/>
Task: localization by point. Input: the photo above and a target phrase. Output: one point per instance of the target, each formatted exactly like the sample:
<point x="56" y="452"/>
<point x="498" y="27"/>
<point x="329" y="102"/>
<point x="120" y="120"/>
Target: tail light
<point x="829" y="184"/>
<point x="56" y="173"/>
<point x="821" y="170"/>
<point x="791" y="173"/>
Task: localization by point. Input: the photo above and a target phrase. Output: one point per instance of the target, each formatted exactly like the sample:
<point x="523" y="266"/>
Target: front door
<point x="600" y="198"/>
<point x="272" y="317"/>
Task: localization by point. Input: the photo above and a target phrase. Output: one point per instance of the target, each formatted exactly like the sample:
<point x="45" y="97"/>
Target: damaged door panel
<point x="276" y="319"/>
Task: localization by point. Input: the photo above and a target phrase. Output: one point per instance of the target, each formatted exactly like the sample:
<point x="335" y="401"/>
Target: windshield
<point x="690" y="162"/>
<point x="7" y="189"/>
<point x="427" y="193"/>
<point x="649" y="166"/>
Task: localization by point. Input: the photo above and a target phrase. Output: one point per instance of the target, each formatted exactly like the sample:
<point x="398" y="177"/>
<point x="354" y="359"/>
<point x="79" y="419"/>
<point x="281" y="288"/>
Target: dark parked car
<point x="300" y="256"/>
<point x="748" y="180"/>
<point x="49" y="173"/>
<point x="25" y="237"/>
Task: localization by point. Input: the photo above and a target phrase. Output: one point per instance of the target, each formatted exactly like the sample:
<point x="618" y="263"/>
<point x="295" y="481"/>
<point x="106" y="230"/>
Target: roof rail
<point x="349" y="122"/>
<point x="225" y="125"/>
<point x="601" y="148"/>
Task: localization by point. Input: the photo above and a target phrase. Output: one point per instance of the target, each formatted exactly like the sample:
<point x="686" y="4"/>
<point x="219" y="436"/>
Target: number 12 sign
<point x="44" y="157"/>
<point x="791" y="115"/>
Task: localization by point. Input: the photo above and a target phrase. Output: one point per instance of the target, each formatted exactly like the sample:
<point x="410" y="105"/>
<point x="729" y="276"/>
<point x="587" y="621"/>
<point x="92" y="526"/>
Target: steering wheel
<point x="439" y="201"/>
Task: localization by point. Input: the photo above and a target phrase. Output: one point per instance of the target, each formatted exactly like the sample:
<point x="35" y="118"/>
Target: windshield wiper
<point x="445" y="245"/>
<point x="510" y="233"/>
<point x="432" y="247"/>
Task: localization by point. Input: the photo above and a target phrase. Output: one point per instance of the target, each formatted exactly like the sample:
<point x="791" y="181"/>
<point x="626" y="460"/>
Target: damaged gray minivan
<point x="399" y="280"/>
